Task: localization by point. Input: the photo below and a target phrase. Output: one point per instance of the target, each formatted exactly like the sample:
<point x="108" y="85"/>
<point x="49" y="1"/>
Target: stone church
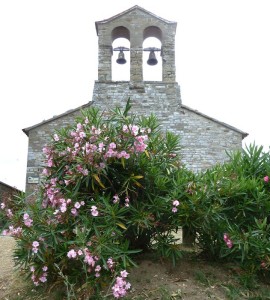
<point x="204" y="140"/>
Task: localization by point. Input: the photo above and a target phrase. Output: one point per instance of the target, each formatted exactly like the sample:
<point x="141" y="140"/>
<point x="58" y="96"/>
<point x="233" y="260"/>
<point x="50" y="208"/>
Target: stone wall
<point x="6" y="191"/>
<point x="204" y="140"/>
<point x="39" y="136"/>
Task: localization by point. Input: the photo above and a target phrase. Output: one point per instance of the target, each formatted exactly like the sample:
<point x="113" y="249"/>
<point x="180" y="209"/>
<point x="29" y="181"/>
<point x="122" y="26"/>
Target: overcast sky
<point x="48" y="63"/>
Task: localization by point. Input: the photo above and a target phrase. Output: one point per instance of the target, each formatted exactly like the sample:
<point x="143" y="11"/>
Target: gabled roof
<point x="244" y="134"/>
<point x="26" y="130"/>
<point x="136" y="7"/>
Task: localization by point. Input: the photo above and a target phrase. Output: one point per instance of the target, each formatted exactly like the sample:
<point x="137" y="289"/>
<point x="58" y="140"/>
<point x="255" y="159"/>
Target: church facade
<point x="204" y="140"/>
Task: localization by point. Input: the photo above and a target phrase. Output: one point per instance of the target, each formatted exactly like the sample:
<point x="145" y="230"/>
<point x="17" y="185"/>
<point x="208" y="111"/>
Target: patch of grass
<point x="206" y="279"/>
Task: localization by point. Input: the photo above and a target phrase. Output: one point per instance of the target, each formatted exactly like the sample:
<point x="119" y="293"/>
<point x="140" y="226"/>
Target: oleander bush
<point x="106" y="195"/>
<point x="228" y="208"/>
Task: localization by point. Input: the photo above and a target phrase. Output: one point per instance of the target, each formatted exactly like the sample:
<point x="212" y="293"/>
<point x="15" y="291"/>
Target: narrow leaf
<point x="98" y="180"/>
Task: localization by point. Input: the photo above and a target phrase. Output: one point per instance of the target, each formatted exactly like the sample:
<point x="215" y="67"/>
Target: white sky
<point x="48" y="63"/>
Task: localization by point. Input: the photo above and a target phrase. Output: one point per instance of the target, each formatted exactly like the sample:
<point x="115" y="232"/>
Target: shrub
<point x="105" y="195"/>
<point x="229" y="207"/>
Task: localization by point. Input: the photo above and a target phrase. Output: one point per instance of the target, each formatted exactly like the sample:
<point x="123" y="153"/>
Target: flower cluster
<point x="27" y="220"/>
<point x="116" y="199"/>
<point x="16" y="232"/>
<point x="110" y="263"/>
<point x="227" y="240"/>
<point x="8" y="211"/>
<point x="121" y="285"/>
<point x="88" y="258"/>
<point x="266" y="179"/>
<point x="175" y="204"/>
<point x="41" y="278"/>
<point x="35" y="246"/>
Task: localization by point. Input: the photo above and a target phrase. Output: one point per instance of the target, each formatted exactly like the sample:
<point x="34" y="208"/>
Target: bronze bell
<point x="121" y="58"/>
<point x="152" y="61"/>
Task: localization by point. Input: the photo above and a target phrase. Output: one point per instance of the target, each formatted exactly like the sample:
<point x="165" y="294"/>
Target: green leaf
<point x="121" y="225"/>
<point x="98" y="180"/>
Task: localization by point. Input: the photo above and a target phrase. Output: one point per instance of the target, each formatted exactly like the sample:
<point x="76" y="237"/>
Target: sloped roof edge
<point x="244" y="134"/>
<point x="26" y="130"/>
<point x="9" y="186"/>
<point x="129" y="10"/>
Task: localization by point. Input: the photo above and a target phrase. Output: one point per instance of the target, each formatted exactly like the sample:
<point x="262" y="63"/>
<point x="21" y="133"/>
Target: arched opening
<point x="152" y="40"/>
<point x="120" y="40"/>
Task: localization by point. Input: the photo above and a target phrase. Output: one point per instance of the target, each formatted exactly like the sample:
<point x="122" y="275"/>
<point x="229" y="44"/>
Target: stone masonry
<point x="204" y="140"/>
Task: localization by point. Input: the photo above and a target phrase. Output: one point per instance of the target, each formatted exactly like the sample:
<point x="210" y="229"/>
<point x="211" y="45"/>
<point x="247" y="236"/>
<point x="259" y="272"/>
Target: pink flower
<point x="49" y="162"/>
<point x="123" y="154"/>
<point x="127" y="202"/>
<point x="94" y="211"/>
<point x="85" y="172"/>
<point x="101" y="147"/>
<point x="67" y="182"/>
<point x="227" y="240"/>
<point x="80" y="253"/>
<point x="124" y="273"/>
<point x="71" y="253"/>
<point x="63" y="207"/>
<point x="28" y="222"/>
<point x="35" y="244"/>
<point x="121" y="286"/>
<point x="174" y="209"/>
<point x="2" y="205"/>
<point x="89" y="260"/>
<point x="176" y="203"/>
<point x="43" y="279"/>
<point x="45" y="172"/>
<point x="74" y="211"/>
<point x="82" y="134"/>
<point x="45" y="268"/>
<point x="266" y="179"/>
<point x="98" y="268"/>
<point x="9" y="213"/>
<point x="116" y="199"/>
<point x="110" y="263"/>
<point x="77" y="205"/>
<point x="32" y="269"/>
<point x="229" y="244"/>
<point x="134" y="129"/>
<point x="125" y="128"/>
<point x="225" y="237"/>
<point x="112" y="145"/>
<point x="79" y="127"/>
<point x="56" y="137"/>
<point x="25" y="216"/>
<point x="102" y="165"/>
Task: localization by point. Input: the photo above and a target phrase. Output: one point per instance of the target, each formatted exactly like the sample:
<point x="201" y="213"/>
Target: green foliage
<point x="228" y="207"/>
<point x="114" y="185"/>
<point x="106" y="195"/>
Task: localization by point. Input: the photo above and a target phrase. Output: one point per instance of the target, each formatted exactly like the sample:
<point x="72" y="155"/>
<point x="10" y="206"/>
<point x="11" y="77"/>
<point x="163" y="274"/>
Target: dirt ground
<point x="154" y="279"/>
